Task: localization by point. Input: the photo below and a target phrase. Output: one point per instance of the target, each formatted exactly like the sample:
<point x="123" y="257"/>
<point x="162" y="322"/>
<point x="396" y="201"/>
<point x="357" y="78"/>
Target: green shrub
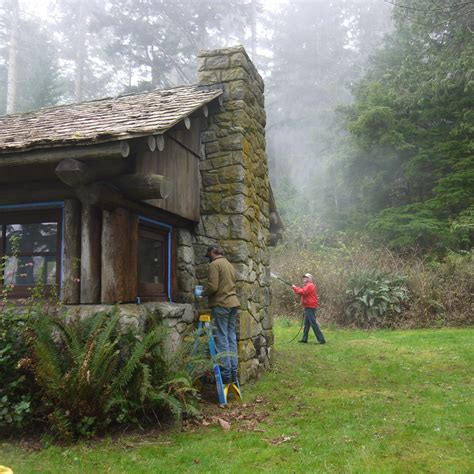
<point x="17" y="388"/>
<point x="373" y="298"/>
<point x="92" y="374"/>
<point x="440" y="291"/>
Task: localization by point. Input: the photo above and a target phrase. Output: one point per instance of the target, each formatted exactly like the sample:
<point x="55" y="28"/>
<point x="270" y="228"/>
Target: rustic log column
<point x="119" y="256"/>
<point x="71" y="290"/>
<point x="91" y="228"/>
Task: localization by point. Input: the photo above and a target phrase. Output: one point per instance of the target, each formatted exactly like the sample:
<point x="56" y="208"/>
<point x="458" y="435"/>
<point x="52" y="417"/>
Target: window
<point x="152" y="262"/>
<point x="30" y="250"/>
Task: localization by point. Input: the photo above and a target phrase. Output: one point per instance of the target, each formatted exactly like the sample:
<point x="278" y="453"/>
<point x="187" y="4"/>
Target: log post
<point x="91" y="229"/>
<point x="119" y="256"/>
<point x="71" y="290"/>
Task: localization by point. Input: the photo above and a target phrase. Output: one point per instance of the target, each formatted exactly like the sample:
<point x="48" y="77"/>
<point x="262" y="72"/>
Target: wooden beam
<point x="140" y="186"/>
<point x="74" y="172"/>
<point x="101" y="195"/>
<point x="91" y="230"/>
<point x="71" y="290"/>
<point x="34" y="192"/>
<point x="118" y="149"/>
<point x="155" y="213"/>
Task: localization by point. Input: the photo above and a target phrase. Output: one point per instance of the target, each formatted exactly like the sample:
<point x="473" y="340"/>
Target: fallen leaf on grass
<point x="224" y="424"/>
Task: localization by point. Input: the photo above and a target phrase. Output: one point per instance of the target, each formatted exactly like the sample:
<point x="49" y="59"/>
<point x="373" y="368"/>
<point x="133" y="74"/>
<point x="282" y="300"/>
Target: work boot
<point x="304" y="342"/>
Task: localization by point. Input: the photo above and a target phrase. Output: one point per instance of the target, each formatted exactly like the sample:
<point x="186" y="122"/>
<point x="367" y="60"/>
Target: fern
<point x="91" y="374"/>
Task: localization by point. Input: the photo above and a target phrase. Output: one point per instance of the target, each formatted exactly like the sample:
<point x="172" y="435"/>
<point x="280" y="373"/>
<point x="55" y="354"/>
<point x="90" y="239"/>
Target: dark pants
<point x="310" y="320"/>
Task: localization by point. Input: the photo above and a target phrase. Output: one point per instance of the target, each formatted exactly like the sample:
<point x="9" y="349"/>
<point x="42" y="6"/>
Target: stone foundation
<point x="179" y="318"/>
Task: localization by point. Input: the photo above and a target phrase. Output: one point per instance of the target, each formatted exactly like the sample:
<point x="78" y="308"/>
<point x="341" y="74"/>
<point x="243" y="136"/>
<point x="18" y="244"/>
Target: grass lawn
<point x="381" y="401"/>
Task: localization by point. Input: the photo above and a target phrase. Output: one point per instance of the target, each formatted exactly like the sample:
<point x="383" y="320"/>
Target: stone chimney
<point x="235" y="197"/>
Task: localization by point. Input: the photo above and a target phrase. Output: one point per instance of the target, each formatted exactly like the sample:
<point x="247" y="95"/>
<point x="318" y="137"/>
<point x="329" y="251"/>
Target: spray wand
<point x="281" y="279"/>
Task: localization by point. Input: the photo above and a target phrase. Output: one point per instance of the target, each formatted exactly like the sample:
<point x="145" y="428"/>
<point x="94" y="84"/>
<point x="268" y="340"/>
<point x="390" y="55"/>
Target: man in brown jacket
<point x="224" y="305"/>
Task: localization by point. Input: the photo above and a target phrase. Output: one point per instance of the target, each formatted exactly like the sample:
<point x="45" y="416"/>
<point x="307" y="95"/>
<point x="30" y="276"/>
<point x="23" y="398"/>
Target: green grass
<point x="381" y="401"/>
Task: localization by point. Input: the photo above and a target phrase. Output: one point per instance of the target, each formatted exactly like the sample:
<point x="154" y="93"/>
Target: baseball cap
<point x="308" y="275"/>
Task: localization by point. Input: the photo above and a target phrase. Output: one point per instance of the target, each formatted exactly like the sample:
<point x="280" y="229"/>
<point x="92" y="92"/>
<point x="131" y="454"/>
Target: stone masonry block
<point x="231" y="142"/>
<point x="240" y="227"/>
<point x="234" y="74"/>
<point x="210" y="77"/>
<point x="218" y="62"/>
<point x="246" y="350"/>
<point x="236" y="250"/>
<point x="231" y="174"/>
<point x="217" y="226"/>
<point x="234" y="204"/>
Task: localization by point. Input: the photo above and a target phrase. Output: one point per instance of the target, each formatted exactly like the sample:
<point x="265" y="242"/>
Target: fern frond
<point x="137" y="353"/>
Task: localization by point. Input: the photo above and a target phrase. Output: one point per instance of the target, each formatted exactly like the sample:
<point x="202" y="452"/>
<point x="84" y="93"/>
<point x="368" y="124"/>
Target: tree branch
<point x="440" y="8"/>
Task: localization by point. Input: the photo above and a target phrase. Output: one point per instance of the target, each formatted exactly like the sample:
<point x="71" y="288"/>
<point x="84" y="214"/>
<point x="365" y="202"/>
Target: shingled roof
<point x="103" y="120"/>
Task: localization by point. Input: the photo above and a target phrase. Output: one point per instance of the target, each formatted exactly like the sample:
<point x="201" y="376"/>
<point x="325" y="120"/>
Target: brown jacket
<point x="221" y="284"/>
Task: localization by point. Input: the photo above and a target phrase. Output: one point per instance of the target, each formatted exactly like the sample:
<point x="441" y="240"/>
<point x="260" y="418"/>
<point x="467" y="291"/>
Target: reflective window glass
<point x="40" y="237"/>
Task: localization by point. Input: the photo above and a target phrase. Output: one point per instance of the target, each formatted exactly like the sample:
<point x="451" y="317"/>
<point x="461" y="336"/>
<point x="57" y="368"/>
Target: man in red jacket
<point x="309" y="300"/>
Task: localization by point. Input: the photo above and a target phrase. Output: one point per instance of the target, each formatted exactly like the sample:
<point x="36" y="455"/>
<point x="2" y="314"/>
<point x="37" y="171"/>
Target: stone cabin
<point x="116" y="200"/>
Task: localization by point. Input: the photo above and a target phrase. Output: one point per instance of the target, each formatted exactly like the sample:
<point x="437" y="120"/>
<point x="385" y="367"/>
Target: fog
<point x="310" y="53"/>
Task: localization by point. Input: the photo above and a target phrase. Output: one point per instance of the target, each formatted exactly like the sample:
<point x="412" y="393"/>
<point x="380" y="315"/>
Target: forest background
<point x="369" y="126"/>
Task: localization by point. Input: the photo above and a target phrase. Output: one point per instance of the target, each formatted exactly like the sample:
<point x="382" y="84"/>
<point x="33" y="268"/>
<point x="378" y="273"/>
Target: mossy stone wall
<point x="235" y="197"/>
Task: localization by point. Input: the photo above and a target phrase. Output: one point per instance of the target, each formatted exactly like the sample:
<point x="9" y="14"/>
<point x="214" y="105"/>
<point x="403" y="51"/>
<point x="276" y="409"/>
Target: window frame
<point x="32" y="215"/>
<point x="155" y="231"/>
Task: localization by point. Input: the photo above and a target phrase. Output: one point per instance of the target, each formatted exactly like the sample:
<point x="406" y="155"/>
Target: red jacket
<point x="309" y="297"/>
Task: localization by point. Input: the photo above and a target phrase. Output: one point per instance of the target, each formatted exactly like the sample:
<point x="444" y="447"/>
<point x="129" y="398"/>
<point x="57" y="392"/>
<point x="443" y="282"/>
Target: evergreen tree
<point x="411" y="169"/>
<point x="158" y="40"/>
<point x="38" y="81"/>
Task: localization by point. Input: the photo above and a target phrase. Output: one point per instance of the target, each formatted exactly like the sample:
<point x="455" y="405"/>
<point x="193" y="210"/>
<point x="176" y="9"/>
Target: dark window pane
<point x="151" y="261"/>
<point x="29" y="238"/>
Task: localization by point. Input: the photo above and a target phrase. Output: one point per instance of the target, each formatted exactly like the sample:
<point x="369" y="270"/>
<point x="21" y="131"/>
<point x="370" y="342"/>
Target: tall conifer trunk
<point x="12" y="56"/>
<point x="80" y="51"/>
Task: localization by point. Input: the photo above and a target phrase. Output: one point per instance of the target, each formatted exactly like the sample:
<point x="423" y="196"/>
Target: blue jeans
<point x="224" y="321"/>
<point x="310" y="320"/>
